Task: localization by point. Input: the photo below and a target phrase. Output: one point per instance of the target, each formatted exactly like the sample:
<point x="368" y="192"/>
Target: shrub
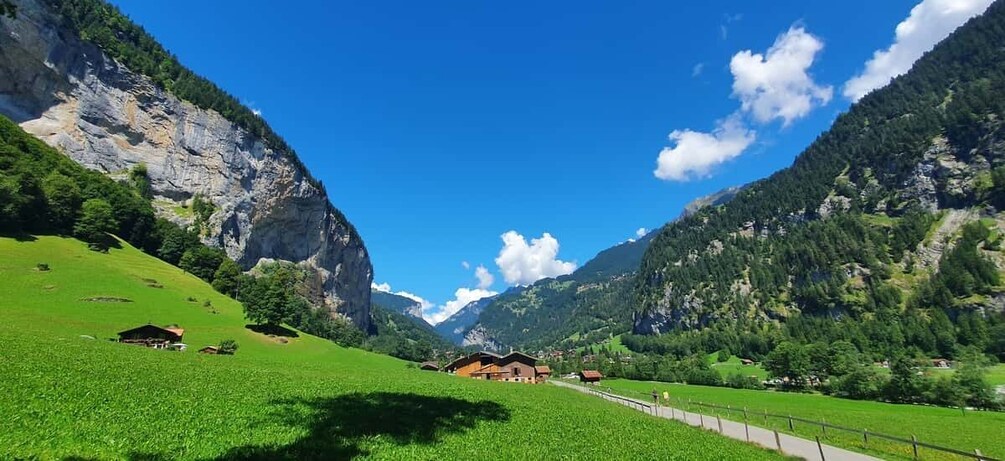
<point x="42" y="267"/>
<point x="228" y="347"/>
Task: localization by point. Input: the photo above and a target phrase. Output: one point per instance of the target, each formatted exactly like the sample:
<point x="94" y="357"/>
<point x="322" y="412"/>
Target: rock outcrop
<point x="108" y="118"/>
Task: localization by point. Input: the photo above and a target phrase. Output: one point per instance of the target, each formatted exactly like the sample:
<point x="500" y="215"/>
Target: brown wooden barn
<point x="466" y="365"/>
<point x="210" y="350"/>
<point x="513" y="367"/>
<point x="429" y="366"/>
<point x="152" y="336"/>
<point x="590" y="376"/>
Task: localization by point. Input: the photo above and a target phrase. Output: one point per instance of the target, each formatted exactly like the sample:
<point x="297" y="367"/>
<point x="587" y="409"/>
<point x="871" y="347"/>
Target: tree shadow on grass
<point x="337" y="426"/>
<point x="275" y="330"/>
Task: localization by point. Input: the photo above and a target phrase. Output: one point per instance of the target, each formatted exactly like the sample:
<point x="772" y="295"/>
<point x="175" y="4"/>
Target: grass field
<point x="64" y="396"/>
<point x="940" y="426"/>
<point x="733" y="366"/>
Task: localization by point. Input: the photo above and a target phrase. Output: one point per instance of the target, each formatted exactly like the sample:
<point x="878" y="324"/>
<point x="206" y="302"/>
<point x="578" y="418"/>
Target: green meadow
<point x="941" y="426"/>
<point x="733" y="366"/>
<point x="64" y="395"/>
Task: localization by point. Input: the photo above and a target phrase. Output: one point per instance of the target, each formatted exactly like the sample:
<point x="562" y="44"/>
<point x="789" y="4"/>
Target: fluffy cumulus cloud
<point x="693" y="154"/>
<point x="641" y="232"/>
<point x="523" y="264"/>
<point x="928" y="23"/>
<point x="462" y="297"/>
<point x="778" y="84"/>
<point x="485" y="277"/>
<point x="770" y="86"/>
<point x="386" y="288"/>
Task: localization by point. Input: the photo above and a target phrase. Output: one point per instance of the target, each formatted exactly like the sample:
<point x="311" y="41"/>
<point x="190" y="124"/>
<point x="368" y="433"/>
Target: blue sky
<point x="443" y="128"/>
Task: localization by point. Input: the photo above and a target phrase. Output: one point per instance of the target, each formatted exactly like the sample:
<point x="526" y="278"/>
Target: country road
<point x="787" y="444"/>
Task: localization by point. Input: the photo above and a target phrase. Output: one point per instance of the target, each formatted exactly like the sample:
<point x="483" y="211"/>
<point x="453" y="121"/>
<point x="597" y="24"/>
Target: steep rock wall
<point x="77" y="99"/>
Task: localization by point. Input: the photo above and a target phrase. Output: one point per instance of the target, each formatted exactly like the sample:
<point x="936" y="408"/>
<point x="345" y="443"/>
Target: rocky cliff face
<point x="74" y="97"/>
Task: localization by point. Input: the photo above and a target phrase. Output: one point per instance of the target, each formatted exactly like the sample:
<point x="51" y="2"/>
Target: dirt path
<point x="787" y="444"/>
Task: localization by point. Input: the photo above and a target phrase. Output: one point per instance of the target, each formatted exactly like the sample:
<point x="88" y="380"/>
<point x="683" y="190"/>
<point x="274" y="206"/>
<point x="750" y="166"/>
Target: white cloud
<point x="697" y="69"/>
<point x="462" y="297"/>
<point x="641" y="232"/>
<point x="465" y="265"/>
<point x="523" y="264"/>
<point x="386" y="288"/>
<point x="929" y="22"/>
<point x="485" y="277"/>
<point x="729" y="19"/>
<point x="694" y="154"/>
<point x="777" y="84"/>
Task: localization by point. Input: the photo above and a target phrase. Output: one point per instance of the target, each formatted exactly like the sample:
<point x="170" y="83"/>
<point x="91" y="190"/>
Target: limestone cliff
<point x="108" y="118"/>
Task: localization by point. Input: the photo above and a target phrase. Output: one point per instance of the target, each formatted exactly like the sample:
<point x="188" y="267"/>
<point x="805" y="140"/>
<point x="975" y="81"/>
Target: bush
<point x="739" y="381"/>
<point x="42" y="267"/>
<point x="227" y="347"/>
<point x="862" y="383"/>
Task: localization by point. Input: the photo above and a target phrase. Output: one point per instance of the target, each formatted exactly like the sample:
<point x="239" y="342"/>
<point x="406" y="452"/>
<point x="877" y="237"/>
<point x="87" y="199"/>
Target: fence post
<point x="672" y="416"/>
<point x="728" y="414"/>
<point x="823" y="426"/>
<point x="914" y="443"/>
<point x="791" y="427"/>
<point x="821" y="448"/>
<point x="746" y="429"/>
<point x="765" y="416"/>
<point x="701" y="419"/>
<point x="717" y="418"/>
<point x="778" y="441"/>
<point x="744" y="413"/>
<point x="865" y="438"/>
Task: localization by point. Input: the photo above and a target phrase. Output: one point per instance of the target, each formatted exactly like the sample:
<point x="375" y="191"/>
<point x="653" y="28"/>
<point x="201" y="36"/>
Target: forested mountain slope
<point x="884" y="231"/>
<point x="83" y="78"/>
<point x="585" y="307"/>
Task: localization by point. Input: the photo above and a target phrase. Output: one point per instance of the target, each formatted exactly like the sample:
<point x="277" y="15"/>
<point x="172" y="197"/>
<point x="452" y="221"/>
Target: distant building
<point x="590" y="376"/>
<point x="429" y="366"/>
<point x="542" y="373"/>
<point x="941" y="363"/>
<point x="747" y="361"/>
<point x="152" y="336"/>
<point x="514" y="367"/>
<point x="210" y="350"/>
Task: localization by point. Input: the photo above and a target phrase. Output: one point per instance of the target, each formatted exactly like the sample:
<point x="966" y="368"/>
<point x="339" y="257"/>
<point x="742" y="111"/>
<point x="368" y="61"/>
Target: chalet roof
<point x="174" y="331"/>
<point x="591" y="374"/>
<point x="515" y="354"/>
<point x="211" y="348"/>
<point x="432" y="365"/>
<point x="478" y="354"/>
<point x="542" y="369"/>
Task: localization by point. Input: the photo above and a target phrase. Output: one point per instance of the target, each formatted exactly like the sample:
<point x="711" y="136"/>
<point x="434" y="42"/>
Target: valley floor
<point x="941" y="426"/>
<point x="70" y="393"/>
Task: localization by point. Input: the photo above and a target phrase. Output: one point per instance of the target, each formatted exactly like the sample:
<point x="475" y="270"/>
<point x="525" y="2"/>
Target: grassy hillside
<point x="941" y="426"/>
<point x="68" y="396"/>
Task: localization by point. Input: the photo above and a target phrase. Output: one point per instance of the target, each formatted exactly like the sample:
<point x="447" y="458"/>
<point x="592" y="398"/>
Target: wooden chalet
<point x="512" y="367"/>
<point x="464" y="366"/>
<point x="429" y="366"/>
<point x="542" y="373"/>
<point x="746" y="362"/>
<point x="210" y="350"/>
<point x="590" y="376"/>
<point x="152" y="336"/>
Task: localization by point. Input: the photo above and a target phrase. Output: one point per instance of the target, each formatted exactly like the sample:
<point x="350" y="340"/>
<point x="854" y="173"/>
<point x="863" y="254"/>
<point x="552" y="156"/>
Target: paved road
<point x="788" y="444"/>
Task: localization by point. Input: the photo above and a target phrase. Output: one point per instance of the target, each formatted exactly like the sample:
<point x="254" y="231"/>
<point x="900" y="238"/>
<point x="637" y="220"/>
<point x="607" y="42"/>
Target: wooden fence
<point x="866" y="434"/>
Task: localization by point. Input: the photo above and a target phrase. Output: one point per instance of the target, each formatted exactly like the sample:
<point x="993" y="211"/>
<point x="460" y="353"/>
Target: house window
<point x="516" y="371"/>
